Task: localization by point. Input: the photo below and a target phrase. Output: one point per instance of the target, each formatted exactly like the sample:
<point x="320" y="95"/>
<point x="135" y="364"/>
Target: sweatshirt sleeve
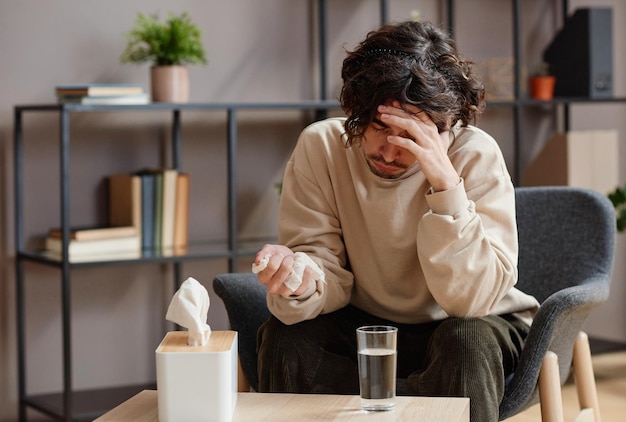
<point x="467" y="243"/>
<point x="309" y="224"/>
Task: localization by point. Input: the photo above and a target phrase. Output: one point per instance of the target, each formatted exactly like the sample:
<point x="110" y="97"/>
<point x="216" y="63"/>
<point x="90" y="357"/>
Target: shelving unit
<point x="520" y="103"/>
<point x="86" y="405"/>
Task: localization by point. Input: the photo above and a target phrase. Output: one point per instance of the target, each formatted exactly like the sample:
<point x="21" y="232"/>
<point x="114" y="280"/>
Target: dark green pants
<point x="455" y="357"/>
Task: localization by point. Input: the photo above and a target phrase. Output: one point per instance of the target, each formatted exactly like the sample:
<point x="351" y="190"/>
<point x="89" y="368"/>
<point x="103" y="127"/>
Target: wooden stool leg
<point x="550" y="389"/>
<point x="584" y="376"/>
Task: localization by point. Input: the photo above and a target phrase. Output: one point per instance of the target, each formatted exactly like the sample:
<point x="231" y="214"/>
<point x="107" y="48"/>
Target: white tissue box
<point x="197" y="383"/>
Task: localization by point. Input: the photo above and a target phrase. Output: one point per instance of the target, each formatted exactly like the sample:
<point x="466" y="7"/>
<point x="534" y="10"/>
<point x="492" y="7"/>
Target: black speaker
<point x="581" y="55"/>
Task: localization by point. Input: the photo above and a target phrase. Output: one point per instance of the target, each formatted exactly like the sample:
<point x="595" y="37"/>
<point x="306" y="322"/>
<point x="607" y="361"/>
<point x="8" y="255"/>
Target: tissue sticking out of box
<point x="189" y="308"/>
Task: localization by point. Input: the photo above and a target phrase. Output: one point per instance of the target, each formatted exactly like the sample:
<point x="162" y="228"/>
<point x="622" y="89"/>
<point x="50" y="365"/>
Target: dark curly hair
<point x="414" y="63"/>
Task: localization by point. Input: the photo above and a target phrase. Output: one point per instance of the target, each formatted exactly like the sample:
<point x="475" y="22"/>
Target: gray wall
<point x="258" y="51"/>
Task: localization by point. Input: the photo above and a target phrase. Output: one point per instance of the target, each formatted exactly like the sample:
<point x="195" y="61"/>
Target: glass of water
<point x="376" y="348"/>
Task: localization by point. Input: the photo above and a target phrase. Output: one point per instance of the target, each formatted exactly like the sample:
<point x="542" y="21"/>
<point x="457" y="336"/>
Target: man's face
<point x="383" y="158"/>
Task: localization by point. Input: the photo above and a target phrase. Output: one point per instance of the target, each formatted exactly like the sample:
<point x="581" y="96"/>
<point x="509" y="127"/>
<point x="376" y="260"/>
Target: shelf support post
<point x="566" y="107"/>
<point x="176" y="139"/>
<point x="176" y="164"/>
<point x="450" y="17"/>
<point x="384" y="11"/>
<point x="65" y="277"/>
<point x="232" y="189"/>
<point x="19" y="265"/>
<point x="321" y="41"/>
<point x="517" y="108"/>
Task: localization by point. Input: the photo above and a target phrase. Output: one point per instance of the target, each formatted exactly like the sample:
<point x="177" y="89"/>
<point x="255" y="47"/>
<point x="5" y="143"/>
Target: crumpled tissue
<point x="301" y="261"/>
<point x="189" y="308"/>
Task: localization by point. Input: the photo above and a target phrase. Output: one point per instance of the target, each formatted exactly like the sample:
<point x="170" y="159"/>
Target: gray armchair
<point x="567" y="247"/>
<point x="567" y="241"/>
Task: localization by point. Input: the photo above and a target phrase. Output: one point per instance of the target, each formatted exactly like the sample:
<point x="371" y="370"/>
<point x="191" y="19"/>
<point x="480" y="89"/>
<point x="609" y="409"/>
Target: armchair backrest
<point x="566" y="237"/>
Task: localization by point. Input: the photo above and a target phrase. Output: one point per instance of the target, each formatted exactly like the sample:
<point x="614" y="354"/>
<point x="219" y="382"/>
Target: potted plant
<point x="618" y="198"/>
<point x="542" y="83"/>
<point x="169" y="46"/>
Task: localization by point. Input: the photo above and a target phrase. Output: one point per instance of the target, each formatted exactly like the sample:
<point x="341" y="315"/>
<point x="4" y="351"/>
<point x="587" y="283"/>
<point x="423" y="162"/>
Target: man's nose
<point x="389" y="152"/>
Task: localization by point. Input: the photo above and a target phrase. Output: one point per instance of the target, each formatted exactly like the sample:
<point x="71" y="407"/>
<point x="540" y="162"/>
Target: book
<point x="95" y="233"/>
<point x="156" y="202"/>
<point x="125" y="201"/>
<point x="78" y="248"/>
<point x="158" y="210"/>
<point x="99" y="89"/>
<point x="148" y="183"/>
<point x="170" y="182"/>
<point x="130" y="99"/>
<point x="181" y="218"/>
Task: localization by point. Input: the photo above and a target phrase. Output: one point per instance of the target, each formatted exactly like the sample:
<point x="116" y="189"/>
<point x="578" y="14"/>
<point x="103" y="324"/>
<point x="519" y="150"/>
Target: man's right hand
<point x="278" y="269"/>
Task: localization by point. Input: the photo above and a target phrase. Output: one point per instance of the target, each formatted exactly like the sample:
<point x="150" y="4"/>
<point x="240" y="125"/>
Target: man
<point x="405" y="214"/>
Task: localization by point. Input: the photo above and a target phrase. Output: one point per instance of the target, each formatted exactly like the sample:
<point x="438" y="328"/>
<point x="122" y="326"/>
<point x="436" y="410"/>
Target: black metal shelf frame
<point x="231" y="249"/>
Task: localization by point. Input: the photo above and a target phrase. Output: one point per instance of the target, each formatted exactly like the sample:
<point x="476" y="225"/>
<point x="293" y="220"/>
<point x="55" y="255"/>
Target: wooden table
<point x="307" y="407"/>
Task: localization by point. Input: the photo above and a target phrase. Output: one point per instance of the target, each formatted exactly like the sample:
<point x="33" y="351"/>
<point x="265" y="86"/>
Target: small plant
<point x="542" y="83"/>
<point x="543" y="69"/>
<point x="618" y="198"/>
<point x="174" y="42"/>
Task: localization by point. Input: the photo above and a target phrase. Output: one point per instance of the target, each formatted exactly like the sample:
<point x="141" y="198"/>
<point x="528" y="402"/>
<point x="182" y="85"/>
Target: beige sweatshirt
<point x="392" y="247"/>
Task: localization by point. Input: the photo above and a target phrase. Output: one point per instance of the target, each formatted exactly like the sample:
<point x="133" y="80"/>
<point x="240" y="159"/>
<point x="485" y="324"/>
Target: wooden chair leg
<point x="550" y="389"/>
<point x="585" y="415"/>
<point x="584" y="376"/>
<point x="243" y="386"/>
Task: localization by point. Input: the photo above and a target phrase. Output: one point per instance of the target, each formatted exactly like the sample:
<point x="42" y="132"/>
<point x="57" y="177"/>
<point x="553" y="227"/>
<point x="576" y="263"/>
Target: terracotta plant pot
<point x="169" y="84"/>
<point x="542" y="87"/>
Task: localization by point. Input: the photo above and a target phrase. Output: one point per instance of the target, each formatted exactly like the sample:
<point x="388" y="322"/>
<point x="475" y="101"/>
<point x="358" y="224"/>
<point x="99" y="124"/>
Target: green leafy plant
<point x="173" y="42"/>
<point x="618" y="198"/>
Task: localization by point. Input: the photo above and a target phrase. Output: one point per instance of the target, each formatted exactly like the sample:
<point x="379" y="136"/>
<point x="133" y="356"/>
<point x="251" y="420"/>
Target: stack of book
<point x="148" y="213"/>
<point x="86" y="244"/>
<point x="120" y="94"/>
<point x="156" y="201"/>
